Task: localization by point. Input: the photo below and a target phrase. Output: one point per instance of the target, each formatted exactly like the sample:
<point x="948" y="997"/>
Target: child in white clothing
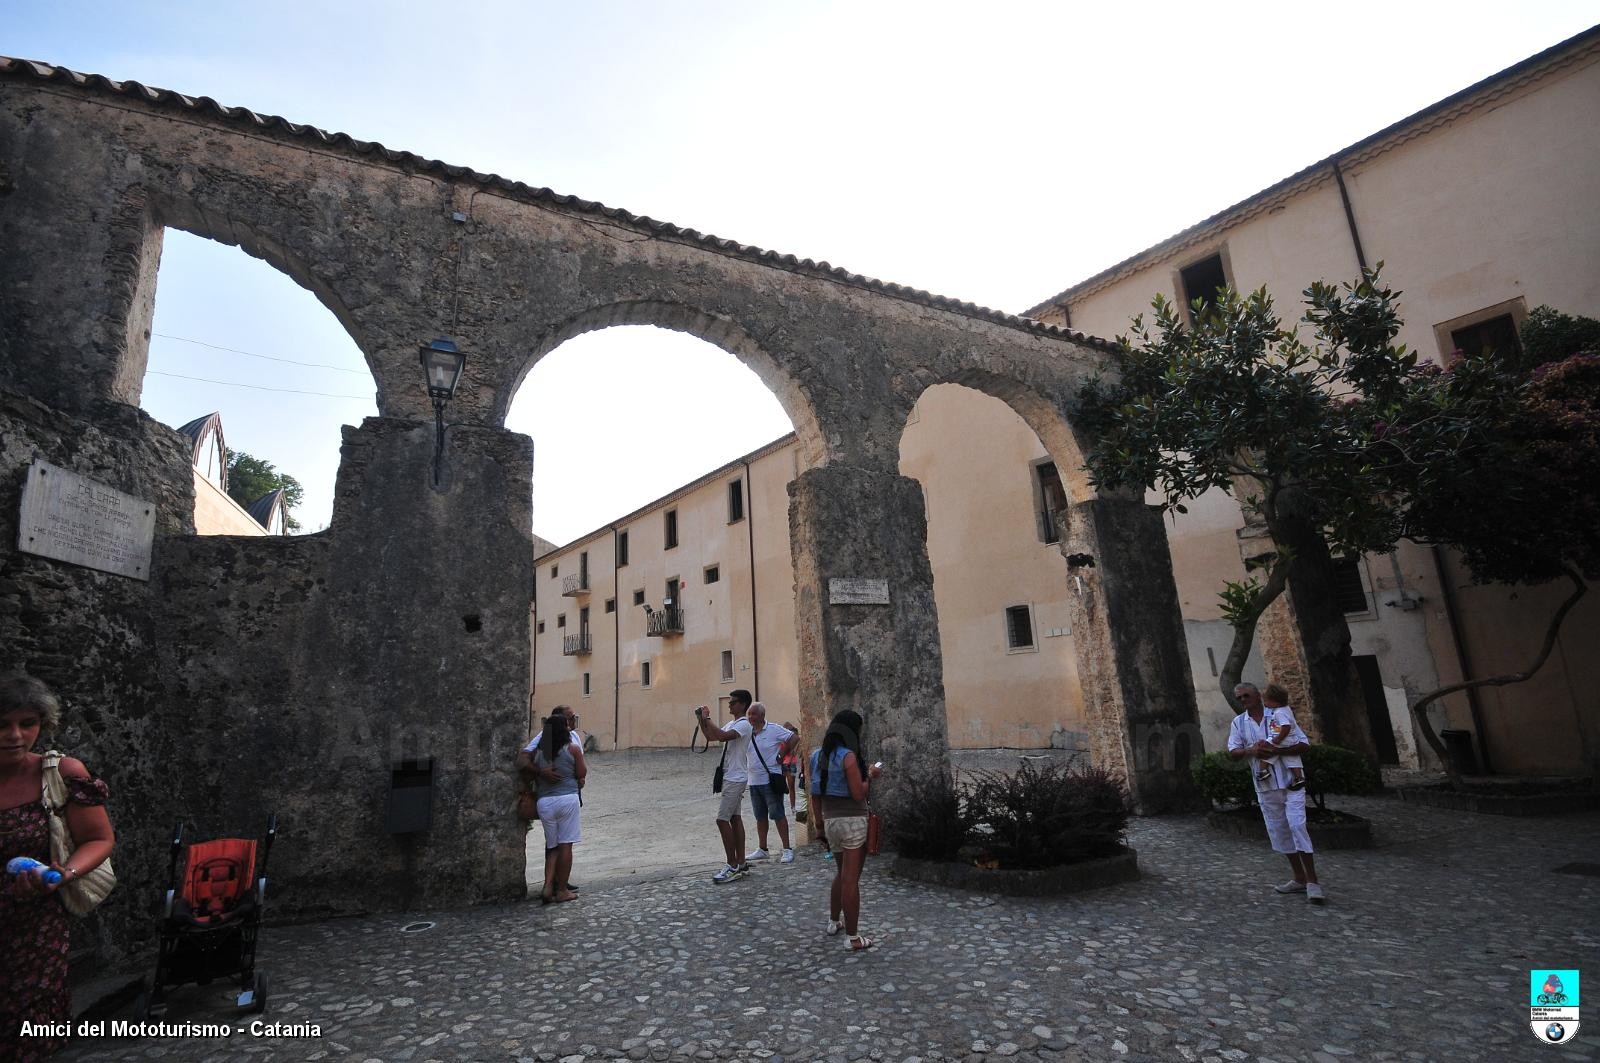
<point x="1273" y="698"/>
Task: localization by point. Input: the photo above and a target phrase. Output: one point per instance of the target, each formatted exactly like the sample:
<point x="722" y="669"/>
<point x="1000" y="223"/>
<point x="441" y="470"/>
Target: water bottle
<point x="21" y="865"/>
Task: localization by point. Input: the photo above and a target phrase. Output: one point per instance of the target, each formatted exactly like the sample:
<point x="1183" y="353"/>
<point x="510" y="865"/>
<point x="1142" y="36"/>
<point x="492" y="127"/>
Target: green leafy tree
<point x="1347" y="444"/>
<point x="249" y="478"/>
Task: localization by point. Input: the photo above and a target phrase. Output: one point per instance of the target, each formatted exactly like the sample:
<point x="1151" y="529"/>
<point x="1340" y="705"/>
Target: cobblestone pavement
<point x="1423" y="953"/>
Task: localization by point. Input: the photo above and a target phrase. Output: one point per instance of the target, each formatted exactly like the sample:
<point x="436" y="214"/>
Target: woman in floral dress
<point x="34" y="927"/>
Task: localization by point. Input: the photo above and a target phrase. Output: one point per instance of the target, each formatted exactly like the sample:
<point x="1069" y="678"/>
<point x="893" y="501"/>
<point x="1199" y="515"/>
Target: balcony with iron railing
<point x="665" y="621"/>
<point x="573" y="586"/>
<point x="576" y="645"/>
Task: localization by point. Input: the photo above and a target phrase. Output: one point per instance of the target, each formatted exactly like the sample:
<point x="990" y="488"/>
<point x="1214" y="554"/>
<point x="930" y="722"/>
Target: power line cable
<point x="252" y="354"/>
<point x="258" y="387"/>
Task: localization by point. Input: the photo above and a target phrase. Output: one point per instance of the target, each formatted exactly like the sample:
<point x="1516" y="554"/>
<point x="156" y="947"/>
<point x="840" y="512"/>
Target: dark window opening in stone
<point x="727" y="666"/>
<point x="586" y="687"/>
<point x="1052" y="501"/>
<point x="541" y="627"/>
<point x="473" y="624"/>
<point x="1201" y="281"/>
<point x="622" y="550"/>
<point x="638" y="597"/>
<point x="583" y="620"/>
<point x="583" y="570"/>
<point x="713" y="573"/>
<point x="735" y="501"/>
<point x="555" y="570"/>
<point x="227" y="333"/>
<point x="1019" y="627"/>
<point x="611" y="605"/>
<point x="561" y="620"/>
<point x="644" y="673"/>
<point x="670" y="531"/>
<point x="1347" y="585"/>
<point x="1497" y="336"/>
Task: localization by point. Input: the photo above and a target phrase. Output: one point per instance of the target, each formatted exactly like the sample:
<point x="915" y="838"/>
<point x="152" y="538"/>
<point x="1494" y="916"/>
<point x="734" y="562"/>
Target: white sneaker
<point x="726" y="875"/>
<point x="1314" y="894"/>
<point x="787" y="857"/>
<point x="759" y="854"/>
<point x="1290" y="887"/>
<point x="833" y="928"/>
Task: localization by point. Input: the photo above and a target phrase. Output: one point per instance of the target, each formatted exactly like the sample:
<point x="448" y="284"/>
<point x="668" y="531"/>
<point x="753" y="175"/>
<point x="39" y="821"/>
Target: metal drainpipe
<point x="1453" y="615"/>
<point x="1447" y="592"/>
<point x="750" y="532"/>
<point x="1350" y="216"/>
<point x="616" y="644"/>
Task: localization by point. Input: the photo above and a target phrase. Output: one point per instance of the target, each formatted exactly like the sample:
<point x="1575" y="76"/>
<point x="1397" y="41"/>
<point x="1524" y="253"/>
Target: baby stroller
<point x="211" y="918"/>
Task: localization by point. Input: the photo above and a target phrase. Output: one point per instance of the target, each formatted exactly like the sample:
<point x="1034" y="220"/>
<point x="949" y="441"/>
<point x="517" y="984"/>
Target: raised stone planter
<point x="1503" y="803"/>
<point x="1328" y="829"/>
<point x="1045" y="882"/>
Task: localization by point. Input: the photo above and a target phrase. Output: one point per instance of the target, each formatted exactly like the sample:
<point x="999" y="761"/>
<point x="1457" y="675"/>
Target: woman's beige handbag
<point x="84" y="892"/>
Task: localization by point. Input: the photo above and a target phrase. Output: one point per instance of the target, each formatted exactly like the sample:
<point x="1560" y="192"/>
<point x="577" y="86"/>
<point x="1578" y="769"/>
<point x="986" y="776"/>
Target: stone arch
<point x="719" y="331"/>
<point x="191" y="217"/>
<point x="1122" y="602"/>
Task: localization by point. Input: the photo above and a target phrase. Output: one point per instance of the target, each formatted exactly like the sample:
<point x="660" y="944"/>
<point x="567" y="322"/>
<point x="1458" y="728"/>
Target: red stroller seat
<point x="218" y="882"/>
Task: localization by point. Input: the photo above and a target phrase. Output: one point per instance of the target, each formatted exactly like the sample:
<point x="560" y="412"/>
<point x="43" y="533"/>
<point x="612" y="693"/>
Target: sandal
<point x="860" y="943"/>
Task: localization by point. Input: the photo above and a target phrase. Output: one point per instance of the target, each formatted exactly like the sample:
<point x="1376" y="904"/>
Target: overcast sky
<point x="995" y="153"/>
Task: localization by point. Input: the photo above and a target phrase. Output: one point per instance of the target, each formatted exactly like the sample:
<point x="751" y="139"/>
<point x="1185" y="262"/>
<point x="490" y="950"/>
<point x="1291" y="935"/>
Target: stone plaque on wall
<point x="858" y="592"/>
<point x="72" y="518"/>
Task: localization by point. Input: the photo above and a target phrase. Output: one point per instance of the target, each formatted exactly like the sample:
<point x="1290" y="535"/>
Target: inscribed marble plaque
<point x="74" y="519"/>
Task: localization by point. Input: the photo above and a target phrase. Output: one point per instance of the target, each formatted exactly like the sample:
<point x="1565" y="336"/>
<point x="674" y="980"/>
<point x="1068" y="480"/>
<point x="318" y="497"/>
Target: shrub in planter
<point x="1224" y="781"/>
<point x="928" y="820"/>
<point x="1336" y="770"/>
<point x="1042" y="817"/>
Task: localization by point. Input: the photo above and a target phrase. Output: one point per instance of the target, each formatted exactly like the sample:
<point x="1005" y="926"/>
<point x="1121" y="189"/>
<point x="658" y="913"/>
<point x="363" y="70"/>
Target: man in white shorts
<point x="735" y="780"/>
<point x="1283" y="809"/>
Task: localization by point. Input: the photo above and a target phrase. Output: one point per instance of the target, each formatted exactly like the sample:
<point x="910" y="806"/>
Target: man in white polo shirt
<point x="1283" y="809"/>
<point x="735" y="779"/>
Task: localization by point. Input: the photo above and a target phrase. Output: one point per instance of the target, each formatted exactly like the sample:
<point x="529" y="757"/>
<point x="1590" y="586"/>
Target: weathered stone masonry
<point x="291" y="674"/>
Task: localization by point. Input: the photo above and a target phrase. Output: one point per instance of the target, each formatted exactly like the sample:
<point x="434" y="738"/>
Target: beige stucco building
<point x="215" y="512"/>
<point x="1481" y="207"/>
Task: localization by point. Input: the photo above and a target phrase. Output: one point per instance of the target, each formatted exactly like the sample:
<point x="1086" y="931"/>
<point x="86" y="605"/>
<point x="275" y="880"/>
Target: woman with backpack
<point x="560" y="775"/>
<point x="839" y="785"/>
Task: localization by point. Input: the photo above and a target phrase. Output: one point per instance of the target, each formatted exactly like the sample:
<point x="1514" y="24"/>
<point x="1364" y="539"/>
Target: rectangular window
<point x="1348" y="587"/>
<point x="622" y="549"/>
<point x="638" y="597"/>
<point x="1019" y="627"/>
<point x="583" y="570"/>
<point x="727" y="666"/>
<point x="644" y="674"/>
<point x="713" y="573"/>
<point x="1051" y="499"/>
<point x="1201" y="281"/>
<point x="586" y="690"/>
<point x="583" y="620"/>
<point x="735" y="501"/>
<point x="1498" y="336"/>
<point x="541" y="627"/>
<point x="561" y="620"/>
<point x="611" y="605"/>
<point x="670" y="529"/>
<point x="555" y="570"/>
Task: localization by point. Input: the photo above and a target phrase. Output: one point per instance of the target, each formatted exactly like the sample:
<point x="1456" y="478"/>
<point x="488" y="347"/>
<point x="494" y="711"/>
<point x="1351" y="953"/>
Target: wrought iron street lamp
<point x="443" y="363"/>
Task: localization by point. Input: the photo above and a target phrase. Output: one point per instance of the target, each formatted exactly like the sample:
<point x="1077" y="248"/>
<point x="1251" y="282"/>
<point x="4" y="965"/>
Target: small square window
<point x="561" y="620"/>
<point x="1201" y="280"/>
<point x="727" y="666"/>
<point x="555" y="570"/>
<point x="541" y="627"/>
<point x="644" y="674"/>
<point x="1019" y="627"/>
<point x="638" y="597"/>
<point x="713" y="573"/>
<point x="611" y="605"/>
